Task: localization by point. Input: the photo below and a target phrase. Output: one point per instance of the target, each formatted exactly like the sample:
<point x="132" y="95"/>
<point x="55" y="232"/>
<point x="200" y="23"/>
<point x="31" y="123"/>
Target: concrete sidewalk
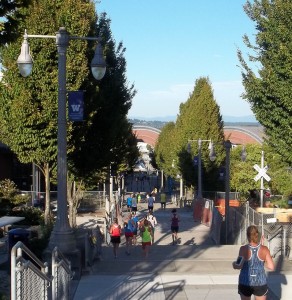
<point x="193" y="269"/>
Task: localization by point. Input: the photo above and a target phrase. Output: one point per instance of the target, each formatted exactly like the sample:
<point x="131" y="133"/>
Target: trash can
<point x="17" y="235"/>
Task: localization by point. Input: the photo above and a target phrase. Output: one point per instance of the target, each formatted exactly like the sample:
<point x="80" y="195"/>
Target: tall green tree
<point x="106" y="137"/>
<point x="200" y="118"/>
<point x="28" y="110"/>
<point x="267" y="73"/>
<point x="12" y="13"/>
<point x="165" y="150"/>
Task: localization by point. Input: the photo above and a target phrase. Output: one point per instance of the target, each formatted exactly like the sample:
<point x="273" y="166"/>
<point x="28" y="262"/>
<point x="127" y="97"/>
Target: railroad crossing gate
<point x="262" y="172"/>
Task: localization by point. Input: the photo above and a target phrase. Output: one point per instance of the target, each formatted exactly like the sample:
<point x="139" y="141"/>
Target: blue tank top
<point x="253" y="271"/>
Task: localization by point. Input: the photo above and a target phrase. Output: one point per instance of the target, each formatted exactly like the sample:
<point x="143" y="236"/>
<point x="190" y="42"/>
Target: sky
<point x="172" y="43"/>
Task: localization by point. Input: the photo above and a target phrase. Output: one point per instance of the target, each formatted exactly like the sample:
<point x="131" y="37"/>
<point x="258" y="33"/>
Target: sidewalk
<point x="193" y="269"/>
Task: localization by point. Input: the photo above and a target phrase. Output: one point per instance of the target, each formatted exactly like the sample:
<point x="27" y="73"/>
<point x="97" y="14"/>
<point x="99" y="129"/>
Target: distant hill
<point x="159" y="122"/>
<point x="244" y="119"/>
<point x="231" y="119"/>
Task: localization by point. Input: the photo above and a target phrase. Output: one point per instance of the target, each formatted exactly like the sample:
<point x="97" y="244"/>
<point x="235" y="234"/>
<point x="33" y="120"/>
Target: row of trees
<point x="267" y="79"/>
<point x="200" y="118"/>
<point x="28" y="110"/>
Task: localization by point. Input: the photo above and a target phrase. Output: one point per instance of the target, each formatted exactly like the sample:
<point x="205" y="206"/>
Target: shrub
<point x="33" y="216"/>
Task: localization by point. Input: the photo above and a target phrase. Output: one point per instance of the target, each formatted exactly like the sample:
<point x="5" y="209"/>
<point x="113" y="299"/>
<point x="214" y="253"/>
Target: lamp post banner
<point x="196" y="160"/>
<point x="76" y="106"/>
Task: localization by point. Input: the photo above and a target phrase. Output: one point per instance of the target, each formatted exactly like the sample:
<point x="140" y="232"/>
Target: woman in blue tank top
<point x="252" y="260"/>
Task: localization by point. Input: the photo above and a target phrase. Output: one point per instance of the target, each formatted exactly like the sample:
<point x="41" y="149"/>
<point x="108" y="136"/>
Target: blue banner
<point x="196" y="160"/>
<point x="76" y="105"/>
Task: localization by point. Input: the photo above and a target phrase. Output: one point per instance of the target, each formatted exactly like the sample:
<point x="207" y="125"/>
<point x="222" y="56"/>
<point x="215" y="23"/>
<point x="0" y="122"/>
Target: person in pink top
<point x="115" y="232"/>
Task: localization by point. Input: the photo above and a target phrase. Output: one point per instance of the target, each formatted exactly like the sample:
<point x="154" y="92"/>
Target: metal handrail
<point x="41" y="270"/>
<point x="279" y="230"/>
<point x="27" y="264"/>
<point x="63" y="262"/>
<point x="20" y="246"/>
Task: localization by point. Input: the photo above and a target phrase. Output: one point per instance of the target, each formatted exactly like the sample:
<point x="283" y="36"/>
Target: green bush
<point x="33" y="216"/>
<point x="10" y="197"/>
<point x="281" y="203"/>
<point x="39" y="244"/>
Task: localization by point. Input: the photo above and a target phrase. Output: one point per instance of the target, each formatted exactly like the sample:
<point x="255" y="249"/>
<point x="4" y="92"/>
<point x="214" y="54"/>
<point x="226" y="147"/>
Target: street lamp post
<point x="227" y="146"/>
<point x="181" y="183"/>
<point x="200" y="194"/>
<point x="62" y="235"/>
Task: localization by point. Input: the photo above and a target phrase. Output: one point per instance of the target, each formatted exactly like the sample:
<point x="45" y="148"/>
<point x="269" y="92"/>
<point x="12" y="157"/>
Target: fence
<point x="276" y="235"/>
<point x="62" y="275"/>
<point x="90" y="202"/>
<point x="30" y="278"/>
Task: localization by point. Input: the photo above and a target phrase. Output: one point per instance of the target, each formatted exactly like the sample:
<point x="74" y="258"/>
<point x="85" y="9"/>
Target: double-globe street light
<point x="62" y="235"/>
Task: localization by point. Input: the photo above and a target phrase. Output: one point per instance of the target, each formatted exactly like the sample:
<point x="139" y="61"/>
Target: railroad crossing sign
<point x="261" y="173"/>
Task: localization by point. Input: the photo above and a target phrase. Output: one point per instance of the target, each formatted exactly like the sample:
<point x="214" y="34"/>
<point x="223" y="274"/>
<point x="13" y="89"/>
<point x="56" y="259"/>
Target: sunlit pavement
<point x="193" y="269"/>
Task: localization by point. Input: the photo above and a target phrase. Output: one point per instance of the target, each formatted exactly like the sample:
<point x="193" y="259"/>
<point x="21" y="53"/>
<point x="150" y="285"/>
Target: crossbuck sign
<point x="261" y="173"/>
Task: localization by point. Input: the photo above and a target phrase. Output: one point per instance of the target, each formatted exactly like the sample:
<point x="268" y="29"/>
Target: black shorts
<point x="115" y="239"/>
<point x="174" y="229"/>
<point x="247" y="291"/>
<point x="134" y="208"/>
<point x="150" y="207"/>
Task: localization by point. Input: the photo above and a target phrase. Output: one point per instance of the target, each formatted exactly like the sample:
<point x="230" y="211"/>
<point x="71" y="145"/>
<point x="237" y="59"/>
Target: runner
<point x="115" y="232"/>
<point x="134" y="204"/>
<point x="163" y="200"/>
<point x="174" y="226"/>
<point x="135" y="232"/>
<point x="150" y="201"/>
<point x="139" y="197"/>
<point x="153" y="221"/>
<point x="147" y="232"/>
<point x="129" y="227"/>
<point x="129" y="203"/>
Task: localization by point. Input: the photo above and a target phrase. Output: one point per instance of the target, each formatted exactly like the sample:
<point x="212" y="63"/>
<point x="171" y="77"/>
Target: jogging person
<point x="146" y="232"/>
<point x="252" y="260"/>
<point x="153" y="221"/>
<point x="134" y="204"/>
<point x="115" y="232"/>
<point x="163" y="200"/>
<point x="174" y="226"/>
<point x="150" y="201"/>
<point x="129" y="227"/>
<point x="135" y="231"/>
<point x="129" y="203"/>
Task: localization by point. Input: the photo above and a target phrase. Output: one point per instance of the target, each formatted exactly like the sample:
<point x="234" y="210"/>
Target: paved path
<point x="193" y="269"/>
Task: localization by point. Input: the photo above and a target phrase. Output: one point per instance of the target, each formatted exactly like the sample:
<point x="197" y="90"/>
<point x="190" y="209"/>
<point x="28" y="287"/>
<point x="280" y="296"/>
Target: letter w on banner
<point x="76" y="105"/>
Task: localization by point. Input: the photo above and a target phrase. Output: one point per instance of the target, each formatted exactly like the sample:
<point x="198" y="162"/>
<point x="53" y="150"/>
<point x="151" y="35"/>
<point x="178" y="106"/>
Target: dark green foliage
<point x="268" y="78"/>
<point x="28" y="110"/>
<point x="165" y="153"/>
<point x="10" y="197"/>
<point x="33" y="216"/>
<point x="199" y="117"/>
<point x="106" y="135"/>
<point x="12" y="17"/>
<point x="38" y="244"/>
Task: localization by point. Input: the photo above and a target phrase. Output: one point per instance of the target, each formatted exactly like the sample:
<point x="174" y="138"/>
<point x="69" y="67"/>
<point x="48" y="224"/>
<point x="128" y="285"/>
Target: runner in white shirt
<point x="153" y="221"/>
<point x="134" y="204"/>
<point x="150" y="203"/>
